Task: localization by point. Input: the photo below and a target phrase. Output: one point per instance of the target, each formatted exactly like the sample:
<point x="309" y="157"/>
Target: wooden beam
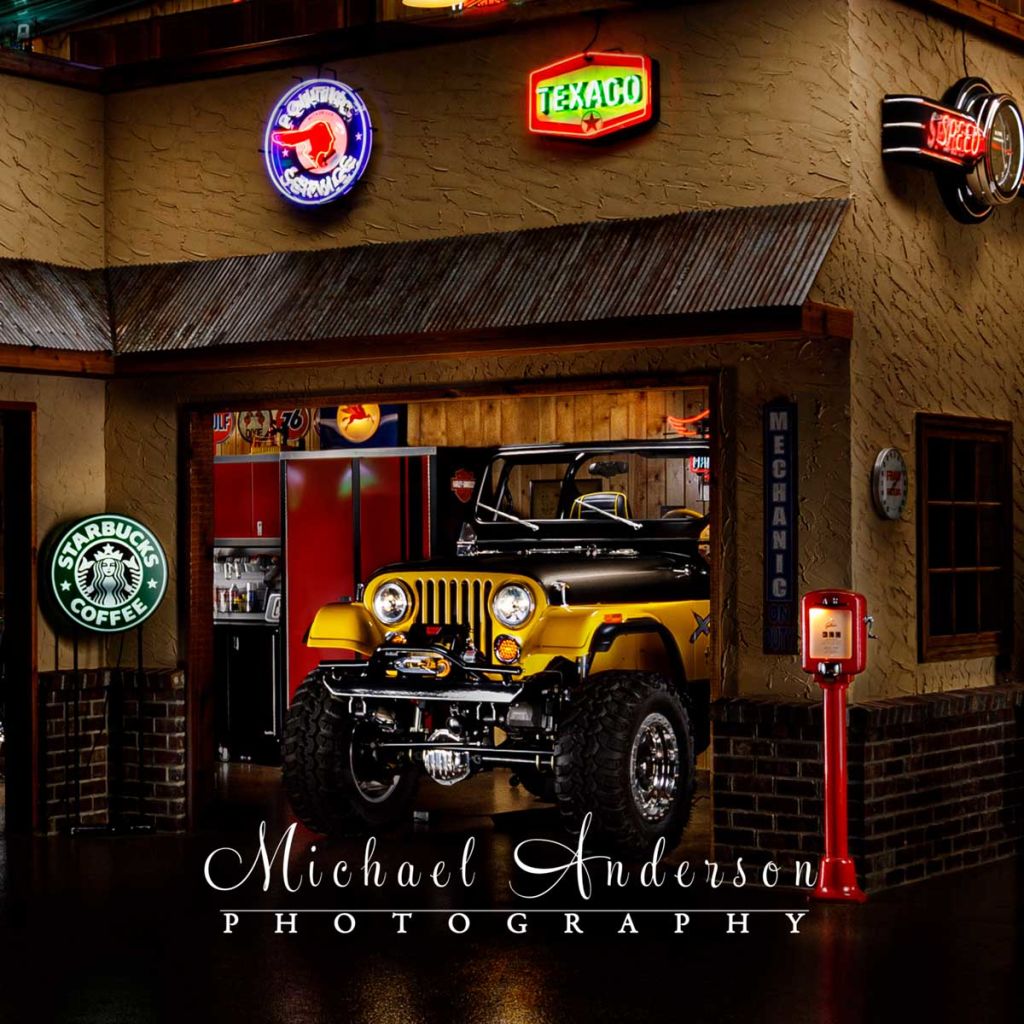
<point x="25" y="64"/>
<point x="813" y="320"/>
<point x="746" y="325"/>
<point x="821" y="320"/>
<point x="59" y="362"/>
<point x="994" y="19"/>
<point x="532" y="388"/>
<point x="340" y="44"/>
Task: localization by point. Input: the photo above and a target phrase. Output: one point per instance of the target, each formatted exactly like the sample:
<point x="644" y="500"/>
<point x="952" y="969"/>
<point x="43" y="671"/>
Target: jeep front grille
<point x="444" y="602"/>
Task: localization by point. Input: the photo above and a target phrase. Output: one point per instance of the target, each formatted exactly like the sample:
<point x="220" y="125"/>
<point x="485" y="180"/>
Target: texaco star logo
<point x="108" y="573"/>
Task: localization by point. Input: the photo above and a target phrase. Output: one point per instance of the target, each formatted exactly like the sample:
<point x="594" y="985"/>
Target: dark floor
<point x="125" y="929"/>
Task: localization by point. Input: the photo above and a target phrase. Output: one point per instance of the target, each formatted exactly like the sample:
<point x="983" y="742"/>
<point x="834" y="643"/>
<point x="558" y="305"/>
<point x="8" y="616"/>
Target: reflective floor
<point x="126" y="929"/>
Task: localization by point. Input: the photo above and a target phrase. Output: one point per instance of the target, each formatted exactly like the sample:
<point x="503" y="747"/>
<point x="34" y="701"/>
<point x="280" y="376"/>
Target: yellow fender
<point x="347" y="626"/>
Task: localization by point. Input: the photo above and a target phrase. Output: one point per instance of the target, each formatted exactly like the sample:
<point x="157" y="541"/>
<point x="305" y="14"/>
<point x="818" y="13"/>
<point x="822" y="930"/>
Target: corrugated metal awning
<point x="638" y="270"/>
<point x="52" y="307"/>
<point x="686" y="263"/>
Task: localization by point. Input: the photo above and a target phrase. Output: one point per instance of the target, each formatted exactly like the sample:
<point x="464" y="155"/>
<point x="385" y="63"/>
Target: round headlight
<point x="391" y="602"/>
<point x="512" y="605"/>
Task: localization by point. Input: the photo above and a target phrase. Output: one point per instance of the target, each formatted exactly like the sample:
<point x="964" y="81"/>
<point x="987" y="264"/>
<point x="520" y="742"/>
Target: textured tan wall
<point x="754" y="109"/>
<point x="51" y="208"/>
<point x="142" y="479"/>
<point x="939" y="311"/>
<point x="51" y="173"/>
<point x="69" y="469"/>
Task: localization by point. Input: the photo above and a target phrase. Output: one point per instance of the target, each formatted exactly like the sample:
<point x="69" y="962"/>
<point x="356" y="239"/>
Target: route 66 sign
<point x="107" y="573"/>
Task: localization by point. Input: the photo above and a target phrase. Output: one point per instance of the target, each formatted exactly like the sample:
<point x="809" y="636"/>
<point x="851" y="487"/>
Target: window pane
<point x="965" y="535"/>
<point x="962" y="517"/>
<point x="990" y="467"/>
<point x="967" y="602"/>
<point x="991" y="612"/>
<point x="940" y="600"/>
<point x="991" y="538"/>
<point x="940" y="536"/>
<point x="964" y="469"/>
<point x="940" y="485"/>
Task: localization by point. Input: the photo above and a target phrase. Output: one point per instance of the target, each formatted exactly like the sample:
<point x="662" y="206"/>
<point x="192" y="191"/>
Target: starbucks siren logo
<point x="108" y="573"/>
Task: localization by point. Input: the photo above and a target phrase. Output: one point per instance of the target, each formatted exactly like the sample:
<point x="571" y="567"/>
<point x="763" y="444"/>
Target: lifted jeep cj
<point x="568" y="640"/>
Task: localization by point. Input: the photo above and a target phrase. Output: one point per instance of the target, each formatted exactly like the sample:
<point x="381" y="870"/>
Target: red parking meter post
<point x="835" y="635"/>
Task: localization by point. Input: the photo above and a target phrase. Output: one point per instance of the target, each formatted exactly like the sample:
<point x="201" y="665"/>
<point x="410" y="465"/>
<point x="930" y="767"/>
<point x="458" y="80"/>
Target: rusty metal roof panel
<point x="47" y="306"/>
<point x="694" y="262"/>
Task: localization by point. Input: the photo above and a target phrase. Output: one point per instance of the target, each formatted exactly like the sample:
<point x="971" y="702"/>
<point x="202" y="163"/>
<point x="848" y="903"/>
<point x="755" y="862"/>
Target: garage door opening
<point x="335" y="510"/>
<point x="18" y="683"/>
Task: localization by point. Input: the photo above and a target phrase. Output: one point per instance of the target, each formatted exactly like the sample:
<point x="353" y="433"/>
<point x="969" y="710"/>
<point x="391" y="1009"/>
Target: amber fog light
<point x="396" y="638"/>
<point x="507" y="649"/>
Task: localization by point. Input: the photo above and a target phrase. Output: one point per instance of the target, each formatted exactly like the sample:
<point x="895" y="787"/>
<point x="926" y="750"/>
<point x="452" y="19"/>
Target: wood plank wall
<point x="604" y="416"/>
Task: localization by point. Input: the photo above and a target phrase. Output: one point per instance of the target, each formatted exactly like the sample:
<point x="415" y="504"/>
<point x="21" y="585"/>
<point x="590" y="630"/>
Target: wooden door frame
<point x="27" y="760"/>
<point x="196" y="533"/>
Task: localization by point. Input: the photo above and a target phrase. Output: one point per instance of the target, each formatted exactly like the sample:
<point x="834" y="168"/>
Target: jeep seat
<point x="682" y="513"/>
<point x="587" y="505"/>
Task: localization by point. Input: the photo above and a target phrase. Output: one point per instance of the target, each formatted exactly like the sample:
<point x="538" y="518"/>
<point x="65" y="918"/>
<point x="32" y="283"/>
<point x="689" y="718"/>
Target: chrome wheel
<point x="654" y="767"/>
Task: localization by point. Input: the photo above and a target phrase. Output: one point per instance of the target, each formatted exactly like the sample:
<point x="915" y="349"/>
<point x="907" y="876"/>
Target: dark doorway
<point x="18" y="684"/>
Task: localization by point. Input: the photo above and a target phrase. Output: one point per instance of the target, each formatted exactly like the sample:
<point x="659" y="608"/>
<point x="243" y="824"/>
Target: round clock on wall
<point x="889" y="480"/>
<point x="997" y="172"/>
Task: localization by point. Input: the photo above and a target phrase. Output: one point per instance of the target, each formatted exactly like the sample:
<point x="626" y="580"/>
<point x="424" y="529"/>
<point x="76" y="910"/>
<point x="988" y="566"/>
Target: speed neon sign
<point x="973" y="140"/>
<point x="592" y="95"/>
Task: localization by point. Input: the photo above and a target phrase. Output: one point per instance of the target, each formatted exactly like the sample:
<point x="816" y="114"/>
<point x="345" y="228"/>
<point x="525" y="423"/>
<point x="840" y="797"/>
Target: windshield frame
<point x="573" y="456"/>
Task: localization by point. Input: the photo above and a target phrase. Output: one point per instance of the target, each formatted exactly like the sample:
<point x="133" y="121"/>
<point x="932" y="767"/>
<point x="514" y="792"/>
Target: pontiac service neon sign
<point x="318" y="141"/>
<point x="591" y="95"/>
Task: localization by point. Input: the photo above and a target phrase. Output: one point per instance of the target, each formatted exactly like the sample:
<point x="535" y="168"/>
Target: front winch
<point x="442" y="764"/>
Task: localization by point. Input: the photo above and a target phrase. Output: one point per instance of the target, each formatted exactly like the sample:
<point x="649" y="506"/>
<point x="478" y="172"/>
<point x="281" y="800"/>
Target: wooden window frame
<point x="990" y="643"/>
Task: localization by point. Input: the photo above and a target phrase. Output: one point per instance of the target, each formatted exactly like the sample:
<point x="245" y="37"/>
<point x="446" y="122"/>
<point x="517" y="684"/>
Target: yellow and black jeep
<point x="566" y="639"/>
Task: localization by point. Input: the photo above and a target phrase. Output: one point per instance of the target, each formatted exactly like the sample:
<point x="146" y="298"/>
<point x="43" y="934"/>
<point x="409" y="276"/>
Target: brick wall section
<point x="936" y="782"/>
<point x="92" y="781"/>
<point x="76" y="786"/>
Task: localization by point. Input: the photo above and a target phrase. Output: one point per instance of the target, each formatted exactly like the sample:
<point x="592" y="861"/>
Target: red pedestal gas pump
<point x="835" y="649"/>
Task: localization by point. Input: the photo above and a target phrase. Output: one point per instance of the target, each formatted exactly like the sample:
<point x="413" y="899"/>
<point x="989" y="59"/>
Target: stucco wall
<point x="51" y="208"/>
<point x="753" y="110"/>
<point x="938" y="317"/>
<point x="760" y="103"/>
<point x="51" y="173"/>
<point x="70" y="482"/>
<point x="143" y="424"/>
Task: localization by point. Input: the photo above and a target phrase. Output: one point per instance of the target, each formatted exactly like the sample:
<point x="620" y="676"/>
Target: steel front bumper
<point x="421" y="673"/>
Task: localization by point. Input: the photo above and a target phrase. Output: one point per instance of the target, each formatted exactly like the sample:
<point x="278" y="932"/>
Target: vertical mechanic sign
<point x="781" y="606"/>
<point x="318" y="142"/>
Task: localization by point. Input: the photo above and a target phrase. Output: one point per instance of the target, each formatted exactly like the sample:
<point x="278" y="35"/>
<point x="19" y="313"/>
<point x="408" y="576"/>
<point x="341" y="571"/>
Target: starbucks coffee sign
<point x="108" y="573"/>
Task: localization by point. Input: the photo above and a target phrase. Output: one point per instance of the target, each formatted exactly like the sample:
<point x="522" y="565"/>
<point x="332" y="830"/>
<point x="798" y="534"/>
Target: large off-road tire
<point x="539" y="784"/>
<point x="625" y="754"/>
<point x="332" y="782"/>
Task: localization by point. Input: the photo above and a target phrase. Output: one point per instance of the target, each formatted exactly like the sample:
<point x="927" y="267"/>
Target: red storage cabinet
<point x="266" y="499"/>
<point x="232" y="499"/>
<point x="247" y="497"/>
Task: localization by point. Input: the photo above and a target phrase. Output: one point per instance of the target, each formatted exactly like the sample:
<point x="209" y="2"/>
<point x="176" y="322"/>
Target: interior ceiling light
<point x="456" y="5"/>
